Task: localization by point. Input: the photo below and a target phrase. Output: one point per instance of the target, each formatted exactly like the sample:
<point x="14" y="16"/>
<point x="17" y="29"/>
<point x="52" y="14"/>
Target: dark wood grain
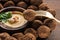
<point x="55" y="4"/>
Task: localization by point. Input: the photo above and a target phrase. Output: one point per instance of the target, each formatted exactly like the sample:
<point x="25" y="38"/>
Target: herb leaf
<point x="5" y="16"/>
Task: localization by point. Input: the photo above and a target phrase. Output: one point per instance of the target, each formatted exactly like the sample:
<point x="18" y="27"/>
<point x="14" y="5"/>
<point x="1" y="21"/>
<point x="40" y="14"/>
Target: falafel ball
<point x="31" y="30"/>
<point x="29" y="36"/>
<point x="10" y="38"/>
<point x="4" y="35"/>
<point x="36" y="2"/>
<point x="52" y="11"/>
<point x="51" y="23"/>
<point x="18" y="36"/>
<point x="43" y="6"/>
<point x="36" y="24"/>
<point x="1" y="6"/>
<point x="43" y="31"/>
<point x="22" y="4"/>
<point x="29" y="14"/>
<point x="9" y="3"/>
<point x="32" y="7"/>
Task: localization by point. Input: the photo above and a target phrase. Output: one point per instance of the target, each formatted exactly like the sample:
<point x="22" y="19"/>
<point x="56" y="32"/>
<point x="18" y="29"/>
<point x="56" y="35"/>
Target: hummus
<point x="17" y="20"/>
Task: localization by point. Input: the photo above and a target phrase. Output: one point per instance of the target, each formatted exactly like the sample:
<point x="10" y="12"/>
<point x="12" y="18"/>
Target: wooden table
<point x="56" y="5"/>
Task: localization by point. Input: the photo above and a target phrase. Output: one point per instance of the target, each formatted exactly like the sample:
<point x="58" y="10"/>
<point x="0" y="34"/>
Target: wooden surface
<point x="56" y="5"/>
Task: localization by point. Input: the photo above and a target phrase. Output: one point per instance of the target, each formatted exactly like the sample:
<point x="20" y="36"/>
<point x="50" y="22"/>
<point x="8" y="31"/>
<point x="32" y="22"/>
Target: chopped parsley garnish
<point x="5" y="15"/>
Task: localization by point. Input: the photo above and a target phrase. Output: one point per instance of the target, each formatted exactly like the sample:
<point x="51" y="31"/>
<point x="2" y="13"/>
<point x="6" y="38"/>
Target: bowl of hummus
<point x="12" y="18"/>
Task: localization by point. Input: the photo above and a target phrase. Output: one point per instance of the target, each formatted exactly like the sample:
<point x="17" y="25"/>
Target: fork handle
<point x="57" y="20"/>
